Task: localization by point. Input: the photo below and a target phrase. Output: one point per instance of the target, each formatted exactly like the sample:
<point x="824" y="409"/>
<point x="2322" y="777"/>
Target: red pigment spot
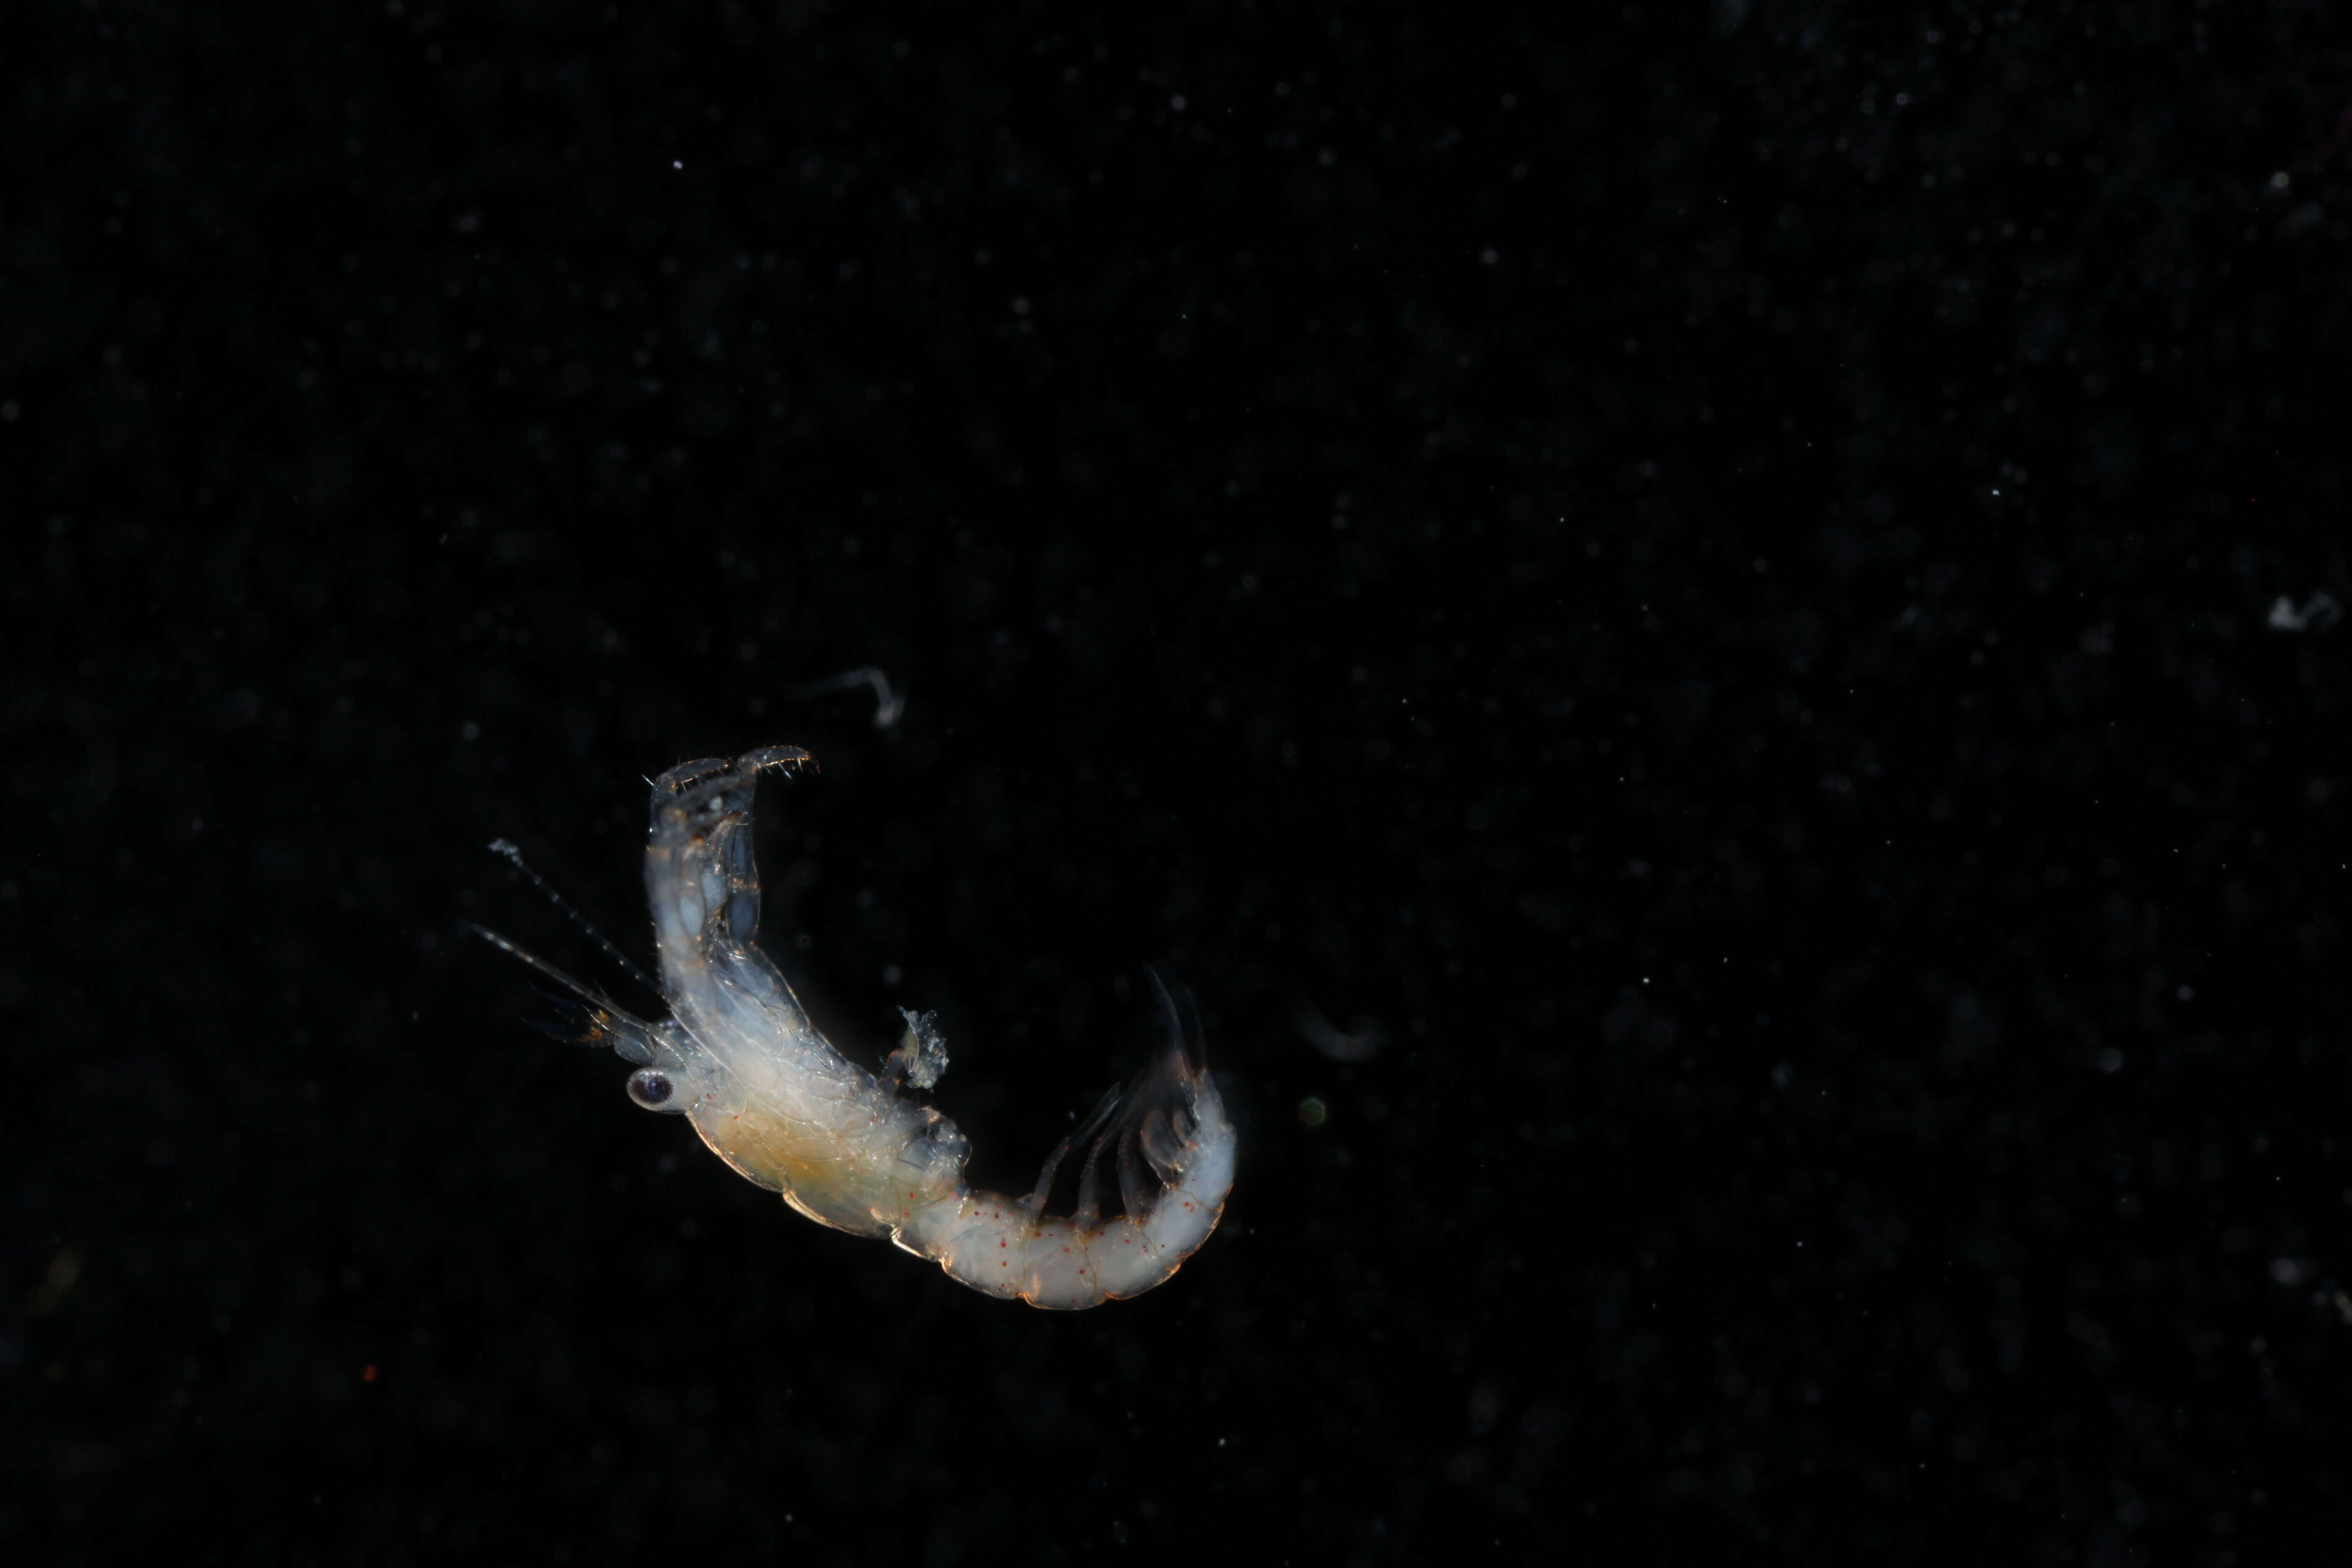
<point x="367" y="1373"/>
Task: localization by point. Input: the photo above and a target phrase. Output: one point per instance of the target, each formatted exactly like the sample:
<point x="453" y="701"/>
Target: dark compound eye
<point x="650" y="1089"/>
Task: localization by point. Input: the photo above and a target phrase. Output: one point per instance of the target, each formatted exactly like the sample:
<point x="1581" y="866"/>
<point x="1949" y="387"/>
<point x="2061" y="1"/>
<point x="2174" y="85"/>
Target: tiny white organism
<point x="2317" y="613"/>
<point x="739" y="1060"/>
<point x="887" y="704"/>
<point x="1360" y="1045"/>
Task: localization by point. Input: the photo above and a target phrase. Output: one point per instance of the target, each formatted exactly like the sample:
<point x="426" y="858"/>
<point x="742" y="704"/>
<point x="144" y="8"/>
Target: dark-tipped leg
<point x="1132" y="1191"/>
<point x="1089" y="1209"/>
<point x="1089" y="1213"/>
<point x="1036" y="1202"/>
<point x="1094" y="1121"/>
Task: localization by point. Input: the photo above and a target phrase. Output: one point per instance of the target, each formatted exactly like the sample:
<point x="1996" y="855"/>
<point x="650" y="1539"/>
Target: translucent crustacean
<point x="739" y="1058"/>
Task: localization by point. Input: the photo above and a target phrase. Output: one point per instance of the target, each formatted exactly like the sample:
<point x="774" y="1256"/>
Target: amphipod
<point x="739" y="1060"/>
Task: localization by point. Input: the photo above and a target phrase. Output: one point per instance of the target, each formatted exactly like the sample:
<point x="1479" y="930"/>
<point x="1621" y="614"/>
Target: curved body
<point x="739" y="1058"/>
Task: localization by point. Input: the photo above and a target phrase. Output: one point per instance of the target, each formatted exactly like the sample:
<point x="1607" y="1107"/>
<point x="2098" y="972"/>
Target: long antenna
<point x="505" y="848"/>
<point x="587" y="994"/>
